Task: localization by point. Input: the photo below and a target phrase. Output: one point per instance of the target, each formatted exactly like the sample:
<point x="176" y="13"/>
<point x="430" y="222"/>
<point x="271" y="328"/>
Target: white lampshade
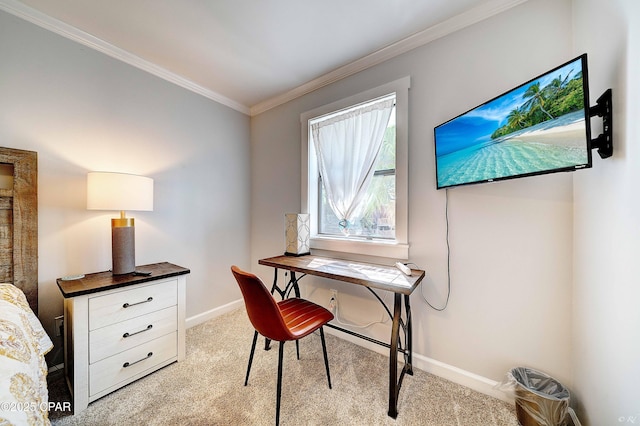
<point x="119" y="191"/>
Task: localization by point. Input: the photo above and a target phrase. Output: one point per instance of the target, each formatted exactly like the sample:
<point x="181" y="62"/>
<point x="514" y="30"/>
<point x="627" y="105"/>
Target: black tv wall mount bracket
<point x="603" y="108"/>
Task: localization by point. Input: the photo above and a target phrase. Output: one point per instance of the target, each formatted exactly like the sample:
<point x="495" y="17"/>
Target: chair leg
<point x="279" y="389"/>
<point x="253" y="348"/>
<point x="298" y="349"/>
<point x="324" y="352"/>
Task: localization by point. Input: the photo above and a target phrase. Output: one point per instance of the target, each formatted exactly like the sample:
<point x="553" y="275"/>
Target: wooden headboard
<point x="19" y="221"/>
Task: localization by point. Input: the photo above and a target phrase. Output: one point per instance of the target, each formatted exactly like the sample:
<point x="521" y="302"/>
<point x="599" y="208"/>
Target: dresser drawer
<point x="124" y="335"/>
<point x="126" y="304"/>
<point x="111" y="371"/>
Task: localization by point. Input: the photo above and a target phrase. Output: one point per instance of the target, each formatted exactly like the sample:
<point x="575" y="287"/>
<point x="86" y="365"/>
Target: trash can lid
<point x="540" y="383"/>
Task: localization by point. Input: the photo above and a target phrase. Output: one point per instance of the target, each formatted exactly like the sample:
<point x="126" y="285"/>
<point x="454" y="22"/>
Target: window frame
<point x="398" y="248"/>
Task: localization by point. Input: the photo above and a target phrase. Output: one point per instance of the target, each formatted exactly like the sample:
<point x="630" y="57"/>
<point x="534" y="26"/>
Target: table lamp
<point x="297" y="234"/>
<point x="120" y="191"/>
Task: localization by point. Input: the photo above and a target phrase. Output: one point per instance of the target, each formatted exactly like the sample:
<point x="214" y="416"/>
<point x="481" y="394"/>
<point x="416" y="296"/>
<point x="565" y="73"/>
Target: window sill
<point x="391" y="250"/>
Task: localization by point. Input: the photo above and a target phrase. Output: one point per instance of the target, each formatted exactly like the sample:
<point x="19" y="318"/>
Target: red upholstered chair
<point x="289" y="319"/>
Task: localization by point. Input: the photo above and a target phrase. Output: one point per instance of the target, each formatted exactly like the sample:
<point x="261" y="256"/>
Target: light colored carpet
<point x="207" y="388"/>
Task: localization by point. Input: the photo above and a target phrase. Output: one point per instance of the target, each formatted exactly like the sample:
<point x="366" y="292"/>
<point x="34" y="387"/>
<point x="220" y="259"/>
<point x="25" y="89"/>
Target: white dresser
<point x="118" y="329"/>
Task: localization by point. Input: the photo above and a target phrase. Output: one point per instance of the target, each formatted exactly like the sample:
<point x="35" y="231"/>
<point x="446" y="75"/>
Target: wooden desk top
<point x="372" y="275"/>
<point x="101" y="281"/>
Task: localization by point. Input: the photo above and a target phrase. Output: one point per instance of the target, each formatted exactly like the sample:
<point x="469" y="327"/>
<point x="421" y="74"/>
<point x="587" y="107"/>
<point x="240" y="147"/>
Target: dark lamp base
<point x="286" y="253"/>
<point x="123" y="250"/>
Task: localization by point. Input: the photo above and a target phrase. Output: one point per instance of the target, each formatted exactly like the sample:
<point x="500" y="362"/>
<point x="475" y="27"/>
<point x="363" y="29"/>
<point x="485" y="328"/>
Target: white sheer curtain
<point x="347" y="144"/>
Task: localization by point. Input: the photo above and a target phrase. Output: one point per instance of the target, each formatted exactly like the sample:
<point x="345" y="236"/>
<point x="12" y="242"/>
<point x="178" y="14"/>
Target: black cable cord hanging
<point x="446" y="215"/>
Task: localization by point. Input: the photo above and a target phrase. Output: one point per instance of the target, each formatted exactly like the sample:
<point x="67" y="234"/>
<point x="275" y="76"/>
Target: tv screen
<point x="541" y="126"/>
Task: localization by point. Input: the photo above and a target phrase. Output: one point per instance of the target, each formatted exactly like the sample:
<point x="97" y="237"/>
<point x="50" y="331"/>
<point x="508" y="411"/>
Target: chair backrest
<point x="262" y="309"/>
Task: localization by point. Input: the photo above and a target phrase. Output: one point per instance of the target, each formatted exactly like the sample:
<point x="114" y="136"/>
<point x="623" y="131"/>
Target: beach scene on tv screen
<point x="537" y="127"/>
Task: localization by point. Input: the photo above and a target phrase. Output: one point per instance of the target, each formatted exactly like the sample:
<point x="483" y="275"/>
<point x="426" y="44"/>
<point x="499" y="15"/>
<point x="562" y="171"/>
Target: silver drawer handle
<point x="149" y="327"/>
<point x="127" y="305"/>
<point x="129" y="364"/>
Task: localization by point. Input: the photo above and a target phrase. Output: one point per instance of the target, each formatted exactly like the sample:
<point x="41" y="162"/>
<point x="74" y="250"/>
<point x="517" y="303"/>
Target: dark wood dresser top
<point x="101" y="281"/>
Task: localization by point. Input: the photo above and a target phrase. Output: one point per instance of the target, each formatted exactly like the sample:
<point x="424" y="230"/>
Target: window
<point x="375" y="216"/>
<point x="378" y="224"/>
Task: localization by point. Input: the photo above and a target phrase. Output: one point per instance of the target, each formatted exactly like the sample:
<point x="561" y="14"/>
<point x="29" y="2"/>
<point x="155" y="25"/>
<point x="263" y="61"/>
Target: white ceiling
<point x="253" y="54"/>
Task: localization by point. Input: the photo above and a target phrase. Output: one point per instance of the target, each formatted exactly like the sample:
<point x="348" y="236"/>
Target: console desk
<point x="373" y="277"/>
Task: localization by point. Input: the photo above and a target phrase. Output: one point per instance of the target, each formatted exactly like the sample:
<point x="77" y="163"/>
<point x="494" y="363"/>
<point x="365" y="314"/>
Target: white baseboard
<point x="462" y="377"/>
<point x="213" y="313"/>
<point x="454" y="374"/>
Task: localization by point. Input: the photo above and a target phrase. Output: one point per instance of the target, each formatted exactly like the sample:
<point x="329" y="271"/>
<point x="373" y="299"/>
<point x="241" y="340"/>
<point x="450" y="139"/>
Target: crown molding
<point x="414" y="41"/>
<point x="458" y="22"/>
<point x="47" y="22"/>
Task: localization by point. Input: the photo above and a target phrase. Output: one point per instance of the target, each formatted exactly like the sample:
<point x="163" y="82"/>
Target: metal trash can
<point x="540" y="399"/>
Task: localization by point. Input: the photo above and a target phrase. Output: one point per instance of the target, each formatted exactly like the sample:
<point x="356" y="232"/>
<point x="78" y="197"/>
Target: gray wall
<point x="83" y="111"/>
<point x="511" y="242"/>
<point x="606" y="315"/>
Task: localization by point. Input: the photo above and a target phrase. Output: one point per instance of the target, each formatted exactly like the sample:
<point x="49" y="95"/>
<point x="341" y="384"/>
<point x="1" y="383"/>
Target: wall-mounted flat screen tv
<point x="539" y="127"/>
